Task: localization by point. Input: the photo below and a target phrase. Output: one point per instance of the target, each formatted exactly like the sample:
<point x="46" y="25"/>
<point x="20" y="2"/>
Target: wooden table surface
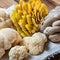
<point x="7" y="3"/>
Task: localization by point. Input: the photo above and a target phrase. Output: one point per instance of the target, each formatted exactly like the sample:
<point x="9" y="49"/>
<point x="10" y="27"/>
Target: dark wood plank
<point x="56" y="2"/>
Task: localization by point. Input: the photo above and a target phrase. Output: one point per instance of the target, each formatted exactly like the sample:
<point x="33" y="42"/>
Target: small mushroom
<point x="55" y="37"/>
<point x="52" y="30"/>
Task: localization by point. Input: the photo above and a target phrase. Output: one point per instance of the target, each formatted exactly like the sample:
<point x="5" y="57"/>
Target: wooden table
<point x="7" y="3"/>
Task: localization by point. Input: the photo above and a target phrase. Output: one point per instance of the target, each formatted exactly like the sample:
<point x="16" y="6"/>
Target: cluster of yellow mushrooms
<point x="27" y="16"/>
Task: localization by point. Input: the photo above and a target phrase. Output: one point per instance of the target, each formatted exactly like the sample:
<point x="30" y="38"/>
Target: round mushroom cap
<point x="18" y="53"/>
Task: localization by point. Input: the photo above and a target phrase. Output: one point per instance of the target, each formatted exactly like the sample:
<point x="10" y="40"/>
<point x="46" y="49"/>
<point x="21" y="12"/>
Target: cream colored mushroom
<point x="35" y="44"/>
<point x="18" y="53"/>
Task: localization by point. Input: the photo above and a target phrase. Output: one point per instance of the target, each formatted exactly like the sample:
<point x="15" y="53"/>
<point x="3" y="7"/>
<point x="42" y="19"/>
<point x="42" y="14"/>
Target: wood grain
<point x="56" y="2"/>
<point x="49" y="4"/>
<point x="6" y="3"/>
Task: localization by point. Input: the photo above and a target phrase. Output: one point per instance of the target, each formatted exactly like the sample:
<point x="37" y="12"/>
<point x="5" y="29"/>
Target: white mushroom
<point x="18" y="53"/>
<point x="35" y="44"/>
<point x="8" y="38"/>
